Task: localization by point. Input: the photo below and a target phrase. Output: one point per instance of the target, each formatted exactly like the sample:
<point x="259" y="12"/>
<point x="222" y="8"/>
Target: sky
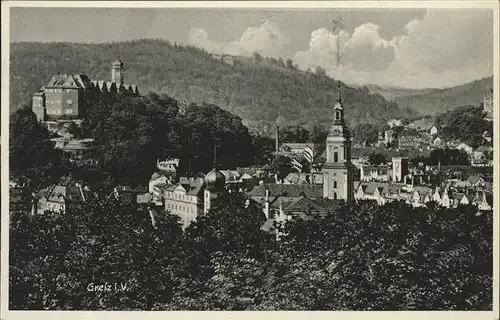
<point x="411" y="48"/>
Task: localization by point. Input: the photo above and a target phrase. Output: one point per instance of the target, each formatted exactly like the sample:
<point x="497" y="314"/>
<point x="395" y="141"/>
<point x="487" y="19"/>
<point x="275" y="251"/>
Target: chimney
<point x="277" y="138"/>
<point x="266" y="205"/>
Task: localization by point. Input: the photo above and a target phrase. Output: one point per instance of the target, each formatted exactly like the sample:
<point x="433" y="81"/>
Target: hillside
<point x="431" y="102"/>
<point x="258" y="90"/>
<point x="391" y="93"/>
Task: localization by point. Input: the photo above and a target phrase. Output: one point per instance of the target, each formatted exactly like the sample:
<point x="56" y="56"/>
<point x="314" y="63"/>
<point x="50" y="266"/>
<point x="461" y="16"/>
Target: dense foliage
<point x="131" y="134"/>
<point x="360" y="257"/>
<point x="33" y="159"/>
<point x="466" y="124"/>
<point x="258" y="90"/>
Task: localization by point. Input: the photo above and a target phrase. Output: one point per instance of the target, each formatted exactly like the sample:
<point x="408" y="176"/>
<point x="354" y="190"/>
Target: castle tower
<point x="117" y="71"/>
<point x="338" y="171"/>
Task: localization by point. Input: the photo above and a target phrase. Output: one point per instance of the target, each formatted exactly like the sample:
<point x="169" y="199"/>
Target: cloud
<point x="267" y="39"/>
<point x="450" y="47"/>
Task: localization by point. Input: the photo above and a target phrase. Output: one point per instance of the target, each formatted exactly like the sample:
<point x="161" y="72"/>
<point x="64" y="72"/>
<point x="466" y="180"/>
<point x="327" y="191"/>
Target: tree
<point x="33" y="158"/>
<point x="464" y="123"/>
<point x="377" y="158"/>
<point x="96" y="243"/>
<point x="74" y="130"/>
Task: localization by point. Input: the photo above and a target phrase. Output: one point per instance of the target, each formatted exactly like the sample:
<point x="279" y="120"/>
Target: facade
<point x="185" y="199"/>
<point x="303" y="149"/>
<point x="68" y="96"/>
<point x="410" y="139"/>
<point x="193" y="197"/>
<point x="400" y="168"/>
<point x="338" y="171"/>
<point x="58" y="198"/>
<point x="168" y="166"/>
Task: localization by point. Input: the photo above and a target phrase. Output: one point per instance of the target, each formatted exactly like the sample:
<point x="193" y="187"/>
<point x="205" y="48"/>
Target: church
<point x="281" y="201"/>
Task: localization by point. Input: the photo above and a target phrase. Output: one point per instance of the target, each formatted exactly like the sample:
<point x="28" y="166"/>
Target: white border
<point x="6" y="5"/>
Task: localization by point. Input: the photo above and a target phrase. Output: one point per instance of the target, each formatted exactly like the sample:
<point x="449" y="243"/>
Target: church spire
<point x="339" y="98"/>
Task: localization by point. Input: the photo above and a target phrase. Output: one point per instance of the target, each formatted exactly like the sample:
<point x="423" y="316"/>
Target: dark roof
<point x="140" y="189"/>
<point x="70" y="81"/>
<point x="305" y="205"/>
<point x="288" y="190"/>
<point x="193" y="186"/>
<point x="66" y="193"/>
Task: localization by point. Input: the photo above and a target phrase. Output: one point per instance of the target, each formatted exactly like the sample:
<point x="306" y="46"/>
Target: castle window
<point x="335" y="157"/>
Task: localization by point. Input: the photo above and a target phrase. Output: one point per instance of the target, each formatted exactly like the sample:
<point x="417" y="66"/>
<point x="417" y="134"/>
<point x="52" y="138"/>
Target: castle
<point x="68" y="96"/>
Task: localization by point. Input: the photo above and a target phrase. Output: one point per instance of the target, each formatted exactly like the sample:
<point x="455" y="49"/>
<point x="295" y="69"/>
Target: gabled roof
<point x="123" y="188"/>
<point x="303" y="204"/>
<point x="70" y="81"/>
<point x="192" y="186"/>
<point x="71" y="194"/>
<point x="457" y="195"/>
<point x="423" y="191"/>
<point x="474" y="179"/>
<point x="288" y="190"/>
<point x="139" y="189"/>
<point x="298" y="145"/>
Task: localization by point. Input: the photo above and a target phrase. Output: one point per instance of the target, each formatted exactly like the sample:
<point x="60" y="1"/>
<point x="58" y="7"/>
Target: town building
<point x="78" y="151"/>
<point x="338" y="171"/>
<point x="400" y="168"/>
<point x="58" y="198"/>
<point x="410" y="139"/>
<point x="185" y="199"/>
<point x="275" y="197"/>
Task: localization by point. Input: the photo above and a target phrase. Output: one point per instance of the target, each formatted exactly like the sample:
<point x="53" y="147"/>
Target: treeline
<point x="257" y="90"/>
<point x="435" y="101"/>
<point x="465" y="123"/>
<point x="132" y="133"/>
<point x="358" y="257"/>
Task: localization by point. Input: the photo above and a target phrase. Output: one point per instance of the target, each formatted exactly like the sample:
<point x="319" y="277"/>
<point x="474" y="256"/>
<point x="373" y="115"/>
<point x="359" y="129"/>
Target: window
<point x="335" y="184"/>
<point x="69" y="90"/>
<point x="335" y="157"/>
<point x="69" y="101"/>
<point x="335" y="196"/>
<point x="337" y="115"/>
<point x="69" y="111"/>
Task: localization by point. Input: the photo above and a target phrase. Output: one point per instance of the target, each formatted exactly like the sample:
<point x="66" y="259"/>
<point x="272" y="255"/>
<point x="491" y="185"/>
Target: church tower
<point x="338" y="171"/>
<point x="117" y="71"/>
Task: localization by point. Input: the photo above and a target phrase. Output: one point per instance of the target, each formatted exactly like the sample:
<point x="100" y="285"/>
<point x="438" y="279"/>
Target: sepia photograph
<point x="249" y="158"/>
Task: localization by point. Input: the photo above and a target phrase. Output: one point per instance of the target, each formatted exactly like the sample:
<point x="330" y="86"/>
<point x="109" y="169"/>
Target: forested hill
<point x="257" y="89"/>
<point x="431" y="102"/>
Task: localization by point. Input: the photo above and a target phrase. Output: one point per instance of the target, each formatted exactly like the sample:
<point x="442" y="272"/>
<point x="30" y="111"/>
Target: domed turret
<point x="215" y="180"/>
